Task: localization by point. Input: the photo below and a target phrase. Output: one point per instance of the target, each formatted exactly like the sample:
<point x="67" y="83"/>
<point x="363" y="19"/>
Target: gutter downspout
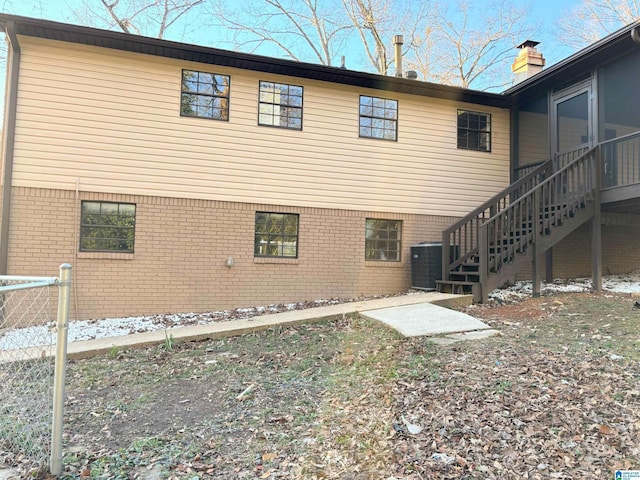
<point x="11" y="104"/>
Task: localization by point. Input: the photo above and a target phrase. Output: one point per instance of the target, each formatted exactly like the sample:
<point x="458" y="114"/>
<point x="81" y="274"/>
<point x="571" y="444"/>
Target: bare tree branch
<point x="365" y="16"/>
<point x="376" y="21"/>
<point x="122" y="23"/>
<point x="470" y="48"/>
<point x="302" y="29"/>
<point x="144" y="17"/>
<point x="593" y="19"/>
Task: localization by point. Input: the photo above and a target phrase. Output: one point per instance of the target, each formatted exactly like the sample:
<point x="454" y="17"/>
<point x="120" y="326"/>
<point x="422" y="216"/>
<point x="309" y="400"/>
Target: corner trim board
<point x="11" y="104"/>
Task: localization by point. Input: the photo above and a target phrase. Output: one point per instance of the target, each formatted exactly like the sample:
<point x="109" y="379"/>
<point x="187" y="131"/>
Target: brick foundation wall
<point x="620" y="252"/>
<point x="572" y="255"/>
<point x="181" y="247"/>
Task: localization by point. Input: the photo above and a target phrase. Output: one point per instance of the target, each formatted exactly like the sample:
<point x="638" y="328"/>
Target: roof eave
<point x="213" y="56"/>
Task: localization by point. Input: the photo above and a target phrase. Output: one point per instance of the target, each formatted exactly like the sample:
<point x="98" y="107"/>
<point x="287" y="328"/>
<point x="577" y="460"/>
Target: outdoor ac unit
<point x="426" y="265"/>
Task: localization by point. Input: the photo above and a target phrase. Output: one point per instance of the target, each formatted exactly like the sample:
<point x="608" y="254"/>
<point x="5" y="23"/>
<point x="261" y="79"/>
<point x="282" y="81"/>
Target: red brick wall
<point x="181" y="247"/>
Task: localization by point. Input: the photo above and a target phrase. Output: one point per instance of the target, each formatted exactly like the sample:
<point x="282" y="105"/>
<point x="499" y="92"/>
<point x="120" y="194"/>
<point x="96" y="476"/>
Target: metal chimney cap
<point x="528" y="43"/>
<point x="398" y="39"/>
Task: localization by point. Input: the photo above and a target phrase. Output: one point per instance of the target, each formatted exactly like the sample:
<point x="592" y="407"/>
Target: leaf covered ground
<point x="555" y="395"/>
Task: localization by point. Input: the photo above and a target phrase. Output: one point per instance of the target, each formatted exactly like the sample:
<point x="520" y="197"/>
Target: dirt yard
<point x="556" y="395"/>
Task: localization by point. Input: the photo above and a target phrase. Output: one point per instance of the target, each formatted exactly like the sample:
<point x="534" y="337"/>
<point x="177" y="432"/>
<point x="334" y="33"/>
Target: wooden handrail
<point x="470" y="223"/>
<point x="464" y="233"/>
<point x="536" y="212"/>
<point x="547" y="180"/>
<point x="526" y="168"/>
<point x="622" y="138"/>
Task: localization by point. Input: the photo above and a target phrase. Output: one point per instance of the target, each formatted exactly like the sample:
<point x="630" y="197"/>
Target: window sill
<point x="106" y="255"/>
<point x="383" y="264"/>
<point x="287" y="261"/>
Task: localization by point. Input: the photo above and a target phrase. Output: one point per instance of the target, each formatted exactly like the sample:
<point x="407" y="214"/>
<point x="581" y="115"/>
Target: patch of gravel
<point x="625" y="283"/>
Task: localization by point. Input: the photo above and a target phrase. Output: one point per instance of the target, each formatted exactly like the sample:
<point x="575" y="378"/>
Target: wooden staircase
<point x="489" y="246"/>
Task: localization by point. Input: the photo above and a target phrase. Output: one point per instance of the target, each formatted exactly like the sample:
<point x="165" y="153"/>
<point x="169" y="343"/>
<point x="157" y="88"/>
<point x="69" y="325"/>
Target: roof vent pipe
<point x="635" y="34"/>
<point x="398" y="40"/>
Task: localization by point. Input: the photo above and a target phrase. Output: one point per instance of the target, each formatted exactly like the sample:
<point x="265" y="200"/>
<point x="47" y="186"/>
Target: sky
<point x="544" y="12"/>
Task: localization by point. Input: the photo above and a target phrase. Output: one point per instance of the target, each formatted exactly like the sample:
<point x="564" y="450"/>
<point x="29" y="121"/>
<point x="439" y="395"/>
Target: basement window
<point x="474" y="131"/>
<point x="378" y="118"/>
<point x="382" y="240"/>
<point x="205" y="95"/>
<point x="276" y="235"/>
<point x="107" y="227"/>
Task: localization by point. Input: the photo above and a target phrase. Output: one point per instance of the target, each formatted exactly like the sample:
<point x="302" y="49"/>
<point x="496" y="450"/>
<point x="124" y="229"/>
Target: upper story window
<point x="378" y="118"/>
<point x="382" y="239"/>
<point x="280" y="105"/>
<point x="276" y="235"/>
<point x="474" y="131"/>
<point x="107" y="227"/>
<point x="205" y="95"/>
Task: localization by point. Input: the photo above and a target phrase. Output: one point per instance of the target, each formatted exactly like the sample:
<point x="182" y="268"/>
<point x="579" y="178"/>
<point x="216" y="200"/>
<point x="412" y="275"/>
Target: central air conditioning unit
<point x="426" y="265"/>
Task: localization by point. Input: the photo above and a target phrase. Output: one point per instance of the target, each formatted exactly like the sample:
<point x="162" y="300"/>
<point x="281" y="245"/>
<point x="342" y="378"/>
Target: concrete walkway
<point x="412" y="315"/>
<point x="425" y="319"/>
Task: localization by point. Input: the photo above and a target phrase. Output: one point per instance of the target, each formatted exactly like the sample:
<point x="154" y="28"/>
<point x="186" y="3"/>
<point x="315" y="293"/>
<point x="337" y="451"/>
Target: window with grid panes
<point x="205" y="95"/>
<point x="107" y="227"/>
<point x="276" y="235"/>
<point x="383" y="239"/>
<point x="378" y="118"/>
<point x="280" y="105"/>
<point x="474" y="131"/>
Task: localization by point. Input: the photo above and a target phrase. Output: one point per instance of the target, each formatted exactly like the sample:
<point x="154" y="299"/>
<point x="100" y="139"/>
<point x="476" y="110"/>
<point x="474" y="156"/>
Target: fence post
<point x="64" y="295"/>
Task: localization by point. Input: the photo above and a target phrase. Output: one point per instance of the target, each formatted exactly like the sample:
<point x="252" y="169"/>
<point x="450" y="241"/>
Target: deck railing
<point x="560" y="160"/>
<point x="520" y="172"/>
<point x="621" y="161"/>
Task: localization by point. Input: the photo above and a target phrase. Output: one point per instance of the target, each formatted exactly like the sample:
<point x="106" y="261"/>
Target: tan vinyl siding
<point x="108" y="121"/>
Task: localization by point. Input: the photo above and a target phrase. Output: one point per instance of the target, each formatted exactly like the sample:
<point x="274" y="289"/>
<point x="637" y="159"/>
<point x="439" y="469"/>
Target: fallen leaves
<point x="556" y="396"/>
<point x="559" y="408"/>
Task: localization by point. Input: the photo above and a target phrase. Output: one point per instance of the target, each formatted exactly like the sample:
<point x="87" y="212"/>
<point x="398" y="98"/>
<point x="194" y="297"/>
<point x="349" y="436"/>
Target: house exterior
<point x="176" y="177"/>
<point x="589" y="100"/>
<point x="573" y="207"/>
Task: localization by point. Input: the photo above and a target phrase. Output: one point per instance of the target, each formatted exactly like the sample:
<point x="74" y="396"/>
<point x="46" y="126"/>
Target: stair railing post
<point x="596" y="221"/>
<point x="536" y="223"/>
<point x="446" y="255"/>
<point x="483" y="254"/>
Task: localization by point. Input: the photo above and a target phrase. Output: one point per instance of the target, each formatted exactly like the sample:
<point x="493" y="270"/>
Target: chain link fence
<point x="28" y="341"/>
